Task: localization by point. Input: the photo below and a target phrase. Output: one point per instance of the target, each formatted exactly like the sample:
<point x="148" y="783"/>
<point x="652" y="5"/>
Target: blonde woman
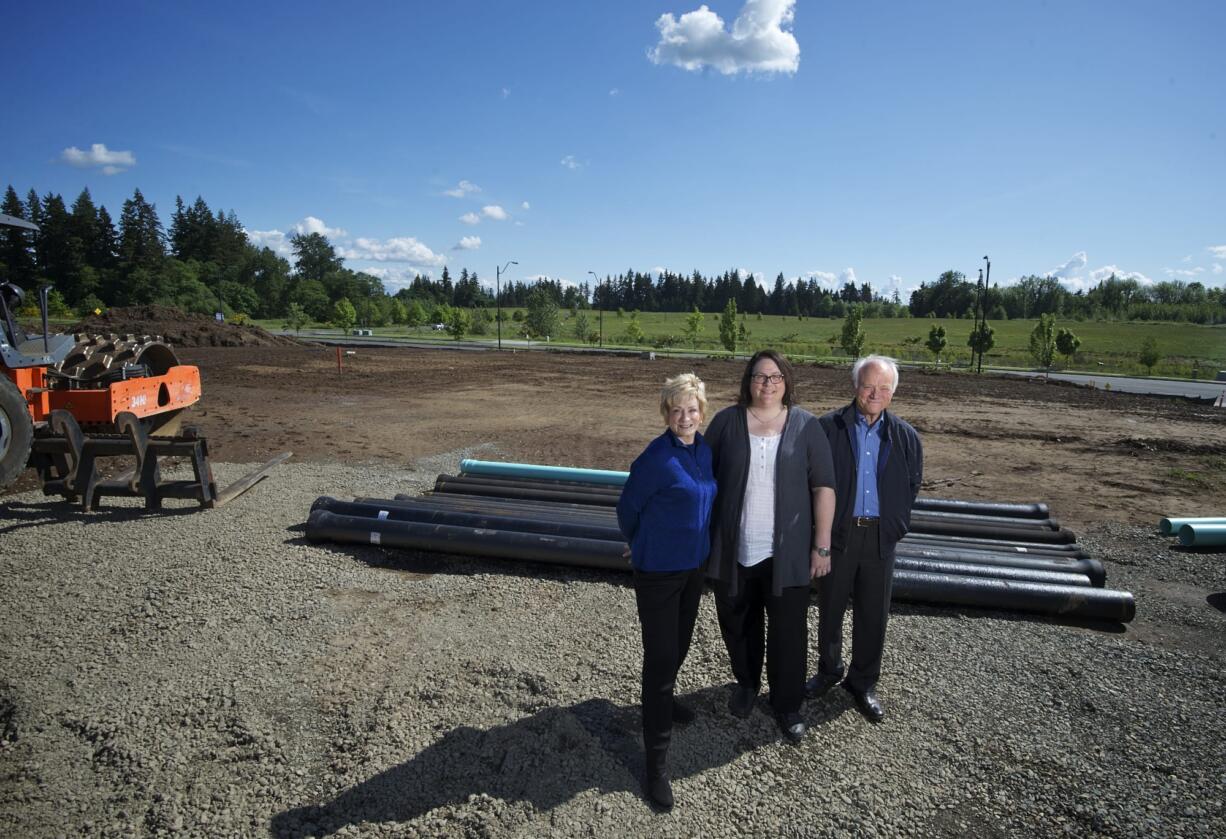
<point x="665" y="513"/>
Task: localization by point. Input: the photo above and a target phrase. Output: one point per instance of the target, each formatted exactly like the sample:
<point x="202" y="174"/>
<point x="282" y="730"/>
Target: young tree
<point x="982" y="339"/>
<point x="481" y="320"/>
<point x="1149" y="355"/>
<point x="344" y="315"/>
<point x="742" y="334"/>
<point x="852" y="338"/>
<point x="693" y="326"/>
<point x="580" y="326"/>
<point x="1043" y="341"/>
<point x="542" y="318"/>
<point x="458" y="322"/>
<point x="296" y="317"/>
<point x="727" y="326"/>
<point x="415" y="314"/>
<point x="936" y="342"/>
<point x="634" y="330"/>
<point x="1067" y="344"/>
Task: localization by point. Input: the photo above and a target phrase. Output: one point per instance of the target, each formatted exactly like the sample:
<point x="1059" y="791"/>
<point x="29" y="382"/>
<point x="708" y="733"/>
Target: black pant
<point x="754" y="622"/>
<point x="859" y="574"/>
<point x="668" y="606"/>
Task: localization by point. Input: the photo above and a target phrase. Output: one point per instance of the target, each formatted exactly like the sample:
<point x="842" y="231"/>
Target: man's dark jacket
<point x="900" y="468"/>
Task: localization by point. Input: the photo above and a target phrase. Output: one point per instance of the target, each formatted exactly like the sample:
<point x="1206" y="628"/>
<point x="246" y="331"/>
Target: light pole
<point x="498" y="296"/>
<point x="981" y="325"/>
<point x="600" y="317"/>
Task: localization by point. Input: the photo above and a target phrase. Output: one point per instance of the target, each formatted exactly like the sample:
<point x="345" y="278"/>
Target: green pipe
<point x="1203" y="534"/>
<point x="1170" y="527"/>
<point x="552" y="473"/>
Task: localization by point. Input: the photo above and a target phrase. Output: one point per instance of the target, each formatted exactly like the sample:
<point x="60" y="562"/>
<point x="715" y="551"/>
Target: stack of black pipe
<point x="966" y="553"/>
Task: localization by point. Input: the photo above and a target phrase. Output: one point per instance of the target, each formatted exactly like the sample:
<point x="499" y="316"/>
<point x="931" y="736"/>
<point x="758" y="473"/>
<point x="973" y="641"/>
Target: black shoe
<point x="820" y="685"/>
<point x="792" y="726"/>
<point x="682" y="714"/>
<point x="868" y="704"/>
<point x="660" y="789"/>
<point x="741" y="703"/>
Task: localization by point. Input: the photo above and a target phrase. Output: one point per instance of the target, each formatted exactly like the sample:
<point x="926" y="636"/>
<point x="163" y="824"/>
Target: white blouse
<point x="758" y="513"/>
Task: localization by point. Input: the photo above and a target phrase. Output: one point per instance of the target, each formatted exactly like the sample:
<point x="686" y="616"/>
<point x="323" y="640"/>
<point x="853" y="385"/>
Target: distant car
<point x="439" y="327"/>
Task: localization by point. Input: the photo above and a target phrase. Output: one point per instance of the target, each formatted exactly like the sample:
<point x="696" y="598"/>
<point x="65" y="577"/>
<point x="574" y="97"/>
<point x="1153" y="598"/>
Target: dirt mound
<point x="179" y="329"/>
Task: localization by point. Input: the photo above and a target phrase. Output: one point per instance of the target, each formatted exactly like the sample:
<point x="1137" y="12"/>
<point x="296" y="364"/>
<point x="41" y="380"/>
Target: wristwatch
<point x="823" y="552"/>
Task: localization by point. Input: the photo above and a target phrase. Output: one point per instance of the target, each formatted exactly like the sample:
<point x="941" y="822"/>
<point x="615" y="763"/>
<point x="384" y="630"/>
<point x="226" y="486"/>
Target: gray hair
<point x="883" y="361"/>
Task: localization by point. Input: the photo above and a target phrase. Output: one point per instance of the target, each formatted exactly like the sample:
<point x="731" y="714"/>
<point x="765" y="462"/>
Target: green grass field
<point x="1105" y="346"/>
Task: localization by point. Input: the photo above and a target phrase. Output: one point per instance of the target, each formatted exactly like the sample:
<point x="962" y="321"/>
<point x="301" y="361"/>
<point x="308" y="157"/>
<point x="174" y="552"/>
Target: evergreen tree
<point x="727" y="326"/>
<point x="1149" y="355"/>
<point x="936" y="342"/>
<point x="693" y="327"/>
<point x="852" y="338"/>
<point x="16" y="245"/>
<point x="1067" y="344"/>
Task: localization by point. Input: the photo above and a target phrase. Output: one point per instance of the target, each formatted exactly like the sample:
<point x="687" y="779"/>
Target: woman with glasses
<point x="665" y="512"/>
<point x="771" y="535"/>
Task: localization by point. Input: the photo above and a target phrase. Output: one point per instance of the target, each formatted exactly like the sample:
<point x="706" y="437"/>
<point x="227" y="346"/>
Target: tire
<point x="16" y="432"/>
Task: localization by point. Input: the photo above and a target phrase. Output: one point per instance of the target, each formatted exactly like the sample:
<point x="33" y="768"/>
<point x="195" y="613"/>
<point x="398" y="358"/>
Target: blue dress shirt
<point x="868" y="452"/>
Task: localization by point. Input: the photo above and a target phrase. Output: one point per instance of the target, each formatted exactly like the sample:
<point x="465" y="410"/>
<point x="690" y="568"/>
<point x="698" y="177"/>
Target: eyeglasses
<point x="762" y="378"/>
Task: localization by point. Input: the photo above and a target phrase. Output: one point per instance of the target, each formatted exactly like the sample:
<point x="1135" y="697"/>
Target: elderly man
<point x="878" y="464"/>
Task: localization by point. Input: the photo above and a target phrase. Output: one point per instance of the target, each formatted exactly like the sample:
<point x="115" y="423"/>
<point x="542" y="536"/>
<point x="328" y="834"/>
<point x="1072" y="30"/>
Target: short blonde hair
<point x="681" y="387"/>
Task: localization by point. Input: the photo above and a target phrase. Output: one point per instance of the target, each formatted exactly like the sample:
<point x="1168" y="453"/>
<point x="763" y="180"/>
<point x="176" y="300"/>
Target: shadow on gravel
<point x="545" y="760"/>
<point x="960" y="613"/>
<point x="1217" y="601"/>
<point x="16" y="516"/>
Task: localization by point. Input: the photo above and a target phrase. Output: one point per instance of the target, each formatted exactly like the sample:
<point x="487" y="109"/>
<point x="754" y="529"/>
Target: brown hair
<point x="745" y="398"/>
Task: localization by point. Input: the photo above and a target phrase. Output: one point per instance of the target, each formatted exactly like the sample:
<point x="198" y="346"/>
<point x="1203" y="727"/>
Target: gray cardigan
<point x="803" y="463"/>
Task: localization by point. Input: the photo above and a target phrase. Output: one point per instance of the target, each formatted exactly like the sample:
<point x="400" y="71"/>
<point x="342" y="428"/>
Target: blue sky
<point x="880" y="141"/>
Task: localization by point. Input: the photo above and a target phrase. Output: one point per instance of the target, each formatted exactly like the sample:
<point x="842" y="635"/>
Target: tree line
<point x="204" y="262"/>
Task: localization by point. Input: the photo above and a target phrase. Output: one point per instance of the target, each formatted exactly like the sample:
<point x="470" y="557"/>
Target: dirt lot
<point x="1094" y="456"/>
<point x="224" y="676"/>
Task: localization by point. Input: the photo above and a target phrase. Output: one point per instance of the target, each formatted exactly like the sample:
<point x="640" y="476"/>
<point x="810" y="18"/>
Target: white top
<point x="758" y="513"/>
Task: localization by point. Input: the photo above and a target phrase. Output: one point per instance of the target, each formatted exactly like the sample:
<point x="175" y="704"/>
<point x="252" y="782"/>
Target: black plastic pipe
<point x="1002" y="545"/>
<point x="464" y="480"/>
<point x="986" y="593"/>
<point x="501" y="544"/>
<point x="570" y="512"/>
<point x="983" y="508"/>
<point x="463" y="518"/>
<point x="997" y="572"/>
<point x="1091" y="568"/>
<point x="998" y="532"/>
<point x="529" y="494"/>
<point x="987" y="522"/>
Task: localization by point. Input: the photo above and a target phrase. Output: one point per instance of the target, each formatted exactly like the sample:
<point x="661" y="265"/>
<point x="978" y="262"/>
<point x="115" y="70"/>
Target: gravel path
<point x="213" y="673"/>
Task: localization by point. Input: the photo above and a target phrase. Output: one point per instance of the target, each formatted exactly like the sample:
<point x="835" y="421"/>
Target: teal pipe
<point x="549" y="473"/>
<point x="1171" y="527"/>
<point x="1203" y="534"/>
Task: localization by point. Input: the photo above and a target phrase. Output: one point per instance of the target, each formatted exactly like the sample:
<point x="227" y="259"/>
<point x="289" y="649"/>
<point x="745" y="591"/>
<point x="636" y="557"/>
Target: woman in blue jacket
<point x="664" y="513"/>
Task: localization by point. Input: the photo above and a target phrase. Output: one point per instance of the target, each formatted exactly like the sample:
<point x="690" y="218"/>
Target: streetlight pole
<point x="498" y="296"/>
<point x="601" y="309"/>
<point x="983" y="313"/>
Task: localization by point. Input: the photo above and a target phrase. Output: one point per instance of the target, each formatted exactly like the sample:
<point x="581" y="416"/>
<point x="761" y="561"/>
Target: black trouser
<point x="859" y="574"/>
<point x="668" y="606"/>
<point x="743" y="621"/>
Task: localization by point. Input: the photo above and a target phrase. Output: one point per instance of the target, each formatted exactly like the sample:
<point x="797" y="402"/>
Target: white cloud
<point x="525" y="206"/>
<point x="1218" y="251"/>
<point x="570" y="163"/>
<point x="1217" y="267"/>
<point x="397" y="249"/>
<point x="824" y="277"/>
<point x="275" y="240"/>
<point x="468" y="243"/>
<point x="758" y="41"/>
<point x="1071" y="268"/>
<point x="848" y="276"/>
<point x="462" y="189"/>
<point x="495" y="212"/>
<point x="470" y="218"/>
<point x="99" y="157"/>
<point x="310" y="225"/>
<point x="1182" y="272"/>
<point x="1097" y="275"/>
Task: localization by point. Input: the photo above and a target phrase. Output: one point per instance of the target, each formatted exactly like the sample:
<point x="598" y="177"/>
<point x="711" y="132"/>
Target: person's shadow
<point x="545" y="759"/>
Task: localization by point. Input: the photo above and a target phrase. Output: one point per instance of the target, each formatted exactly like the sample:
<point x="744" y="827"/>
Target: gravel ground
<point x="214" y="674"/>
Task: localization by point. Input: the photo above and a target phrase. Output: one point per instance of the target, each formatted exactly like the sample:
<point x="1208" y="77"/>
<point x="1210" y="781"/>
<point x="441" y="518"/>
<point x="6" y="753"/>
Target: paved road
<point x="1163" y="387"/>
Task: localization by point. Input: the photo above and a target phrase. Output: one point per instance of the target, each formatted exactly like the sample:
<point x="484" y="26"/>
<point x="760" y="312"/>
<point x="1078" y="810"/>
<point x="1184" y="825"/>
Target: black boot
<point x="659" y="787"/>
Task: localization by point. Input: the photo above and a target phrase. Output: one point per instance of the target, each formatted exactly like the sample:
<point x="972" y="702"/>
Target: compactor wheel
<point x="95" y="355"/>
<point x="16" y="432"/>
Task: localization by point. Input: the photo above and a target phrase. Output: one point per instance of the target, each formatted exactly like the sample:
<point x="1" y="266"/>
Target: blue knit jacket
<point x="665" y="506"/>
